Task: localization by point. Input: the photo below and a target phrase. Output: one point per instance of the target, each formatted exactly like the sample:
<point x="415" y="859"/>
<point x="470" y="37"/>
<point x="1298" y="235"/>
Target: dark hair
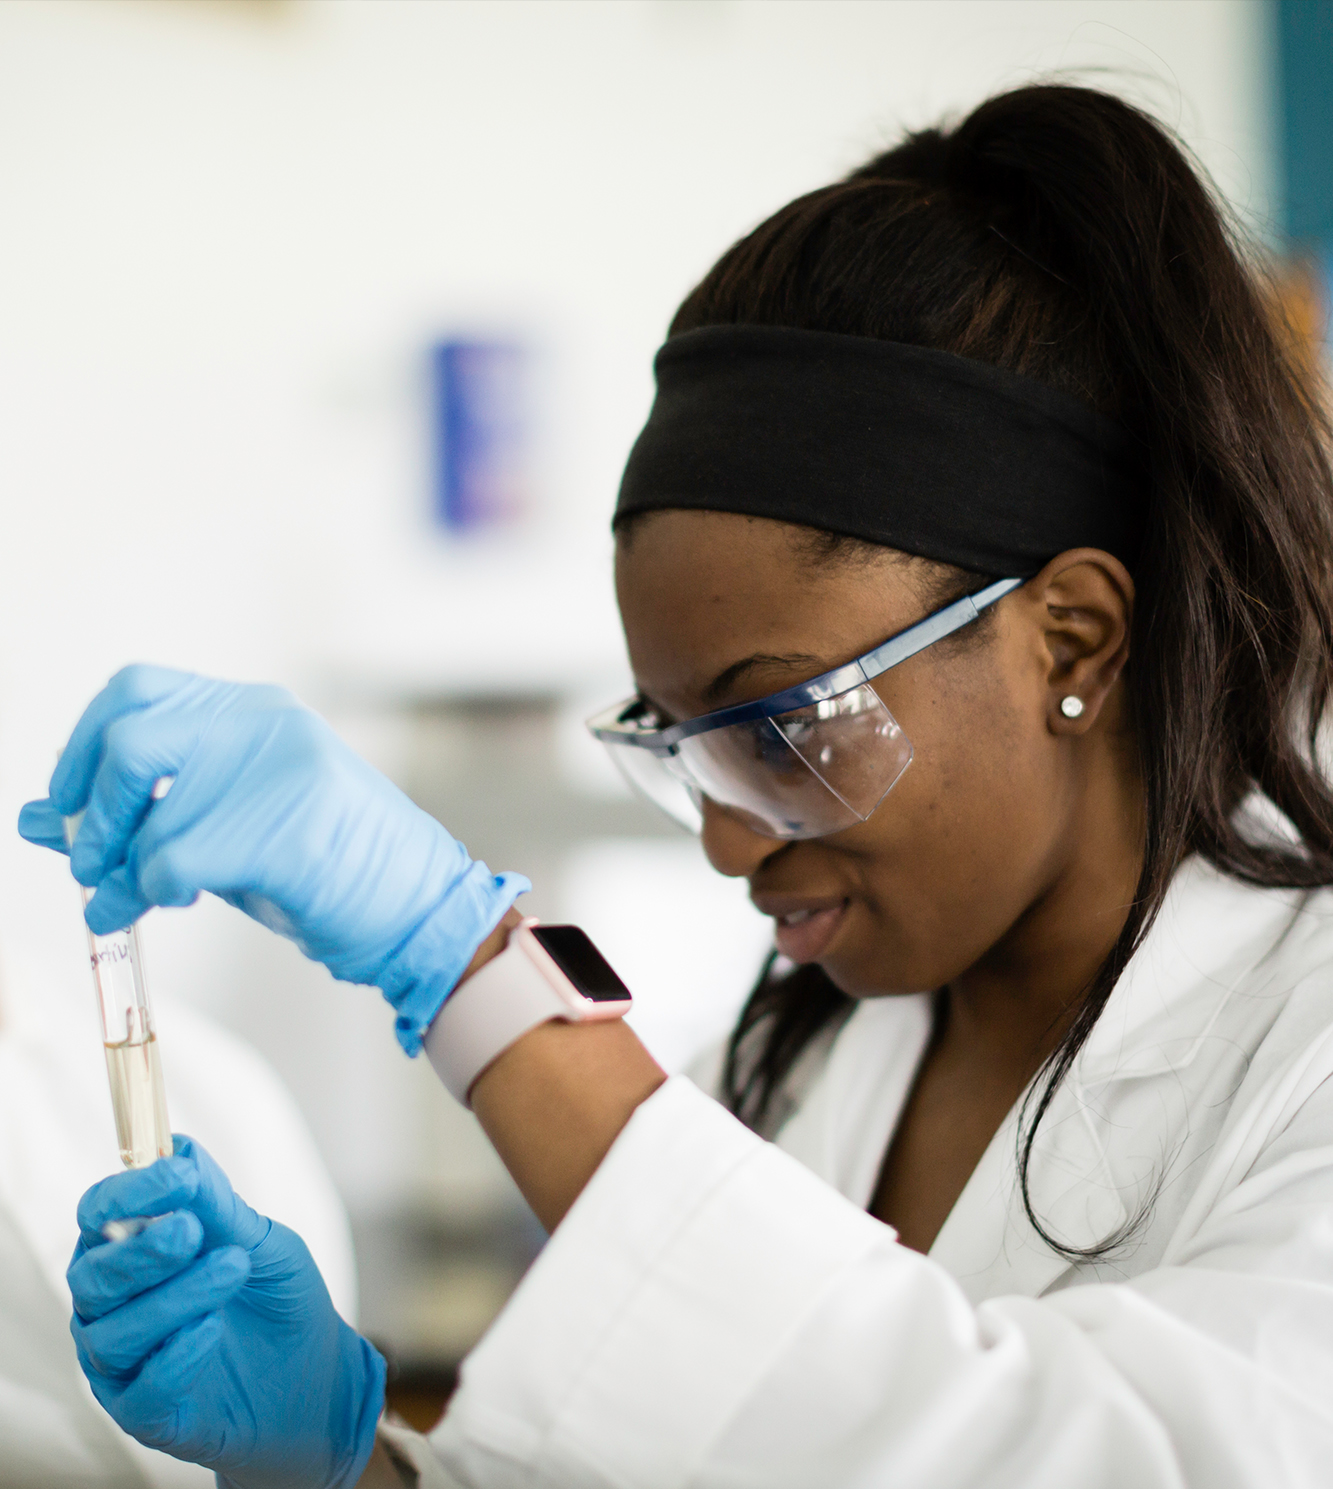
<point x="1063" y="234"/>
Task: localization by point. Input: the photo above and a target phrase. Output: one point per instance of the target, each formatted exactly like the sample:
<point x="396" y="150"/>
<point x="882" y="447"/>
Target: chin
<point x="869" y="978"/>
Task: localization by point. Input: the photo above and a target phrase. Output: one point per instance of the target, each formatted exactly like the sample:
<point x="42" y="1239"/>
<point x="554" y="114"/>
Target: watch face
<point x="573" y="952"/>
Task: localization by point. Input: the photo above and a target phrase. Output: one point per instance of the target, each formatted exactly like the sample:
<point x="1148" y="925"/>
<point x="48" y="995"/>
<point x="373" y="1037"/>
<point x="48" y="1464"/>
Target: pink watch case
<point x="543" y="973"/>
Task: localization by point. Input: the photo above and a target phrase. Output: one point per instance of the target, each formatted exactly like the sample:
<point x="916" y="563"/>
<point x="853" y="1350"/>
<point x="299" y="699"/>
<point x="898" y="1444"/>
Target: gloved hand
<point x="273" y="813"/>
<point x="211" y="1336"/>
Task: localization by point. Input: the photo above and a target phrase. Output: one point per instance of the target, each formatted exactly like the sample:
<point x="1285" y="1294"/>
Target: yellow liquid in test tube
<point x="133" y="1064"/>
<point x="139" y="1102"/>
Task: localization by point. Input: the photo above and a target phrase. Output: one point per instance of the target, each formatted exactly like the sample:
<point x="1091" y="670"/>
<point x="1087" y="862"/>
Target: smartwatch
<point x="545" y="972"/>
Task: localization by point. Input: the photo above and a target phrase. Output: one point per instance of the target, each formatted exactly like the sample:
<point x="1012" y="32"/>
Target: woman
<point x="1046" y="1052"/>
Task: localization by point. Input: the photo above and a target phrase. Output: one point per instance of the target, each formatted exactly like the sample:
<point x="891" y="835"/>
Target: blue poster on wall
<point x="482" y="427"/>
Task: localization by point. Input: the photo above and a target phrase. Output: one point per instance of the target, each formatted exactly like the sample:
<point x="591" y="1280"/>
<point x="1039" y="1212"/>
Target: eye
<point x="644" y="715"/>
<point x="769" y="747"/>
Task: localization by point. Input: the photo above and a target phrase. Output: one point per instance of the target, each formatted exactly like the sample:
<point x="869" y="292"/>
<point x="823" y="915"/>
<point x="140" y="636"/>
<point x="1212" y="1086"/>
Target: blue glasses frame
<point x="863" y="669"/>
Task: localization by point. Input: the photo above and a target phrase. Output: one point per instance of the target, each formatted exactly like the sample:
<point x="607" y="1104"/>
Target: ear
<point x="1084" y="606"/>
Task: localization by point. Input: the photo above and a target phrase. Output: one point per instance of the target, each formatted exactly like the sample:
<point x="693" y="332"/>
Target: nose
<point x="730" y="846"/>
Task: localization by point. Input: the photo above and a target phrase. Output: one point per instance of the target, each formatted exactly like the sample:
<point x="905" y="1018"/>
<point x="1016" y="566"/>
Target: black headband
<point x="920" y="450"/>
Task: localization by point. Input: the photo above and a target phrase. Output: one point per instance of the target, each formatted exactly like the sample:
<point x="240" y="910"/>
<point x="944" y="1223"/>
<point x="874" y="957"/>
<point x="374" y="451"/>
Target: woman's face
<point x="994" y="806"/>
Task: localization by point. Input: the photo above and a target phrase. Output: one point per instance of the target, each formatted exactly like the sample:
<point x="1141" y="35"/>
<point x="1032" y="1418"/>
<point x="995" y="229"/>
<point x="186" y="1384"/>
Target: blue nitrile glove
<point x="211" y="1336"/>
<point x="272" y="812"/>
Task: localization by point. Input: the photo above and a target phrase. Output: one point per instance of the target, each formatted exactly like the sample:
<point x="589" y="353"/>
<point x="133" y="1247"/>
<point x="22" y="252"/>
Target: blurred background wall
<point x="1303" y="156"/>
<point x="231" y="231"/>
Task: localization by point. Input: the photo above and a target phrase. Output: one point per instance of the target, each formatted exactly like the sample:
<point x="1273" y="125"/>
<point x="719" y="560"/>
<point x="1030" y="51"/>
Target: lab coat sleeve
<point x="711" y="1314"/>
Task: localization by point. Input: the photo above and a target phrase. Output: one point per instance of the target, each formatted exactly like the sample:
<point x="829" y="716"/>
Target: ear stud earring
<point x="1071" y="706"/>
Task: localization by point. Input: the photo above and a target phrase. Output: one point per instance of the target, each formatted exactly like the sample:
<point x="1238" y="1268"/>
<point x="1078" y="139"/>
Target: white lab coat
<point x="57" y="1138"/>
<point x="717" y="1310"/>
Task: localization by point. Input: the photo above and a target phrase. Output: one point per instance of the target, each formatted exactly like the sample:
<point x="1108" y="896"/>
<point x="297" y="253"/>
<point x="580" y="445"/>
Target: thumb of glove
<point x="226" y="1218"/>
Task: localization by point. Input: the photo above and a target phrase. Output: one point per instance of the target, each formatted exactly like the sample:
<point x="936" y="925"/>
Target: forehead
<point x="700" y="591"/>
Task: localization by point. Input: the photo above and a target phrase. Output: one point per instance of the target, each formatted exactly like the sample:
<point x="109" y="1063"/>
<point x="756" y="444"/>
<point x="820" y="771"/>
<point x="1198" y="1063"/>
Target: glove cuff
<point x="425" y="968"/>
<point x="371" y="1374"/>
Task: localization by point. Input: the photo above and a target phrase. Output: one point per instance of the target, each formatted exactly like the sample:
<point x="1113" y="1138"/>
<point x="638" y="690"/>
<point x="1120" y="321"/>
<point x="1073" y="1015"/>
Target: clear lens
<point x="751" y="770"/>
<point x="653" y="776"/>
<point x="853" y="744"/>
<point x="800" y="775"/>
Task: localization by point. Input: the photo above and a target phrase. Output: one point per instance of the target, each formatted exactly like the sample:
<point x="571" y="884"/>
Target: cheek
<point x="978" y="757"/>
<point x="959" y="848"/>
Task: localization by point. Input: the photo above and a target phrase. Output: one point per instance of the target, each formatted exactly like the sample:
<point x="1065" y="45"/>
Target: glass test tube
<point x="133" y="1064"/>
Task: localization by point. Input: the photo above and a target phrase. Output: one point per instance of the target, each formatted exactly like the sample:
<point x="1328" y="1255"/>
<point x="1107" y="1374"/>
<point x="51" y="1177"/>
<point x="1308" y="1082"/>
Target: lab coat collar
<point x="1211" y="933"/>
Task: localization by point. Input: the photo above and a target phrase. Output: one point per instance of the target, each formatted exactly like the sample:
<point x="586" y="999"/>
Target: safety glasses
<point x="801" y="763"/>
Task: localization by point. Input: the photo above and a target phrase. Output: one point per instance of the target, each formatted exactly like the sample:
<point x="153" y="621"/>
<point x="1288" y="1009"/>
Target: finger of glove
<point x="190" y="1180"/>
<point x="177" y="873"/>
<point x="251" y="808"/>
<point x="40" y="823"/>
<point x="169" y="1184"/>
<point x="315" y="844"/>
<point x="131" y="689"/>
<point x="224" y="1215"/>
<point x="214" y="830"/>
<point x="148" y="1406"/>
<point x="138" y="749"/>
<point x="118" y="902"/>
<point x="223" y="852"/>
<point x="117" y="1343"/>
<point x="104" y="1278"/>
<point x="288" y="1276"/>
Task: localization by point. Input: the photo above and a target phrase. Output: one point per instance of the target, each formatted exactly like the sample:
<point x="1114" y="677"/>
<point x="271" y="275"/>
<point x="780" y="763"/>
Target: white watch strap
<point x="497" y="1005"/>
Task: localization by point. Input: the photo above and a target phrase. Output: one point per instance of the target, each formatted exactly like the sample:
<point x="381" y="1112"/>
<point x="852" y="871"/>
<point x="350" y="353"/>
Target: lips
<point x="804" y="927"/>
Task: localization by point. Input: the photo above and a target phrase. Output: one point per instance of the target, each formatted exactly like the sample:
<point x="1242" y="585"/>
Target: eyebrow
<point x="727" y="679"/>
